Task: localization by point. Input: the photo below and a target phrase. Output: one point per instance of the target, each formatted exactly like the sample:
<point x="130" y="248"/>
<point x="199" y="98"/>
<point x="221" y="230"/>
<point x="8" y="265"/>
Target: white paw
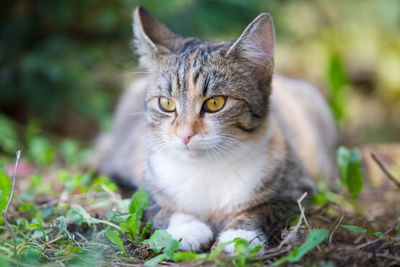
<point x="253" y="237"/>
<point x="195" y="235"/>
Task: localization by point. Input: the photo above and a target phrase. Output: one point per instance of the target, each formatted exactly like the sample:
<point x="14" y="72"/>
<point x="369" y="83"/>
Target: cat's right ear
<point x="152" y="38"/>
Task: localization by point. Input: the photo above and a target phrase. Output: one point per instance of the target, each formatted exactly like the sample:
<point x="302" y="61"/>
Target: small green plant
<point x="338" y="82"/>
<point x="349" y="162"/>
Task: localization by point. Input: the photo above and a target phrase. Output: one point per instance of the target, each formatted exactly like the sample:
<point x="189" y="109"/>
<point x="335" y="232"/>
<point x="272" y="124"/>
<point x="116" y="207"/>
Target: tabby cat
<point x="224" y="147"/>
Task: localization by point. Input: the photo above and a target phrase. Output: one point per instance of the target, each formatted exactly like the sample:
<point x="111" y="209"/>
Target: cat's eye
<point x="214" y="103"/>
<point x="166" y="104"/>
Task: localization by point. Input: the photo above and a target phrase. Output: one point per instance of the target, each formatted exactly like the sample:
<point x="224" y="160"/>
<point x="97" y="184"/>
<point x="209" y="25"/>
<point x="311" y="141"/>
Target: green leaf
<point x="241" y="245"/>
<point x="37" y="223"/>
<point x="319" y="199"/>
<point x="349" y="161"/>
<point x="79" y="215"/>
<point x="114" y="238"/>
<point x="61" y="224"/>
<point x="256" y="249"/>
<point x="313" y="239"/>
<point x="244" y="249"/>
<point x="131" y="226"/>
<point x="146" y="230"/>
<point x="39" y="218"/>
<point x="32" y="256"/>
<point x="139" y="203"/>
<point x="213" y="255"/>
<point x="123" y="205"/>
<point x="360" y="230"/>
<point x="116" y="217"/>
<point x="338" y="86"/>
<point x="5" y="183"/>
<point x="377" y="234"/>
<point x="162" y="241"/>
<point x="353" y="228"/>
<point x="100" y="181"/>
<point x="240" y="260"/>
<point x="156" y="260"/>
<point x="187" y="256"/>
<point x="5" y="192"/>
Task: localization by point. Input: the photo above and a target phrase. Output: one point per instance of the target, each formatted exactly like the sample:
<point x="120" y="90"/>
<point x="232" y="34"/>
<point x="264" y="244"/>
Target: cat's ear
<point x="152" y="38"/>
<point x="257" y="43"/>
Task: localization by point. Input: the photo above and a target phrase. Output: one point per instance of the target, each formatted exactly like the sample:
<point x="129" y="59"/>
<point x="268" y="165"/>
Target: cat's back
<point x="120" y="152"/>
<point x="307" y="122"/>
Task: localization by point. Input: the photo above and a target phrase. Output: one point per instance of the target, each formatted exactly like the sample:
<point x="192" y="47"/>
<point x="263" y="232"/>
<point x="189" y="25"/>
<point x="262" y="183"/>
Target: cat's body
<point x="236" y="171"/>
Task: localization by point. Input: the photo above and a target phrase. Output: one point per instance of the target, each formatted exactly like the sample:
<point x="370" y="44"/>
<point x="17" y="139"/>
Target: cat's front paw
<point x="195" y="235"/>
<point x="253" y="237"/>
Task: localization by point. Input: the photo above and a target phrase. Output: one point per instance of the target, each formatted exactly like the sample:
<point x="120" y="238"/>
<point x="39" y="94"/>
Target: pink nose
<point x="185" y="135"/>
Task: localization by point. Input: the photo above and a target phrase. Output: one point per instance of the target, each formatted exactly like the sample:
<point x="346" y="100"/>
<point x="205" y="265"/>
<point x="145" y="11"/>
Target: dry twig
<point x="302" y="210"/>
<point x="4" y="213"/>
<point x="384" y="170"/>
<point x="388" y="256"/>
<point x="335" y="228"/>
<point x="275" y="253"/>
<point x="296" y="228"/>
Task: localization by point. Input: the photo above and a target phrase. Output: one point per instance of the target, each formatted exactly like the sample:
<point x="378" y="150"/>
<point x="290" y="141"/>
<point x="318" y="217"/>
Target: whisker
<point x="134" y="113"/>
<point x="132" y="73"/>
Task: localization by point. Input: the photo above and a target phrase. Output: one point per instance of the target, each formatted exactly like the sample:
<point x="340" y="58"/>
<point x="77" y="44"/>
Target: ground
<point x="74" y="217"/>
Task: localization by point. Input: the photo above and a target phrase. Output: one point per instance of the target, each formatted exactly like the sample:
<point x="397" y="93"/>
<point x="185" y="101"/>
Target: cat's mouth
<point x="196" y="149"/>
<point x="189" y="151"/>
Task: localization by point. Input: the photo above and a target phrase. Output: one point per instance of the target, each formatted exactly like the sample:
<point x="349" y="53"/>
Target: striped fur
<point x="246" y="164"/>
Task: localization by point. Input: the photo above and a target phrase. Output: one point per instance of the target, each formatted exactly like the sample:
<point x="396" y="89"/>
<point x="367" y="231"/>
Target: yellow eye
<point x="166" y="104"/>
<point x="215" y="103"/>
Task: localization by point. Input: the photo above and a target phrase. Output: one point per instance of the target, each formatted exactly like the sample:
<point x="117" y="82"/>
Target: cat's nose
<point x="185" y="135"/>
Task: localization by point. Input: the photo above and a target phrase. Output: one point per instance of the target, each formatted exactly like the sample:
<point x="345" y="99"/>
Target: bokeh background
<point x="64" y="63"/>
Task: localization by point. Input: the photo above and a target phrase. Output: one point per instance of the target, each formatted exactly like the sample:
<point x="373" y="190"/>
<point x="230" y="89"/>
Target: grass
<point x="61" y="218"/>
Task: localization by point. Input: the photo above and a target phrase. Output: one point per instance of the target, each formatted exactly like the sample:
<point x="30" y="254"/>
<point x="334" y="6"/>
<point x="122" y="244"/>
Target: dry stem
<point x="335" y="228"/>
<point x="296" y="228"/>
<point x="384" y="170"/>
<point x="4" y="213"/>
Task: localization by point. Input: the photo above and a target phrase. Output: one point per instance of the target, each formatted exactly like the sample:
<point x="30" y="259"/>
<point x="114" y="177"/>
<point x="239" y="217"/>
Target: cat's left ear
<point x="257" y="43"/>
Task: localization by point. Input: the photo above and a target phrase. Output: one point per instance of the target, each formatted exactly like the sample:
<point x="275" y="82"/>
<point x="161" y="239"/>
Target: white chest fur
<point x="211" y="185"/>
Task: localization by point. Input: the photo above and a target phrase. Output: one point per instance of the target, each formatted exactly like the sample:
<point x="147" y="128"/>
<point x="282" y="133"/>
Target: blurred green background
<point x="64" y="63"/>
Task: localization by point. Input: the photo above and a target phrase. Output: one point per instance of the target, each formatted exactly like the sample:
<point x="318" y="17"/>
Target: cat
<point x="224" y="146"/>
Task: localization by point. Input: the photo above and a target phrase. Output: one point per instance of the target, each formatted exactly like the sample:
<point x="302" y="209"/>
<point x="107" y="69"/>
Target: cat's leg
<point x="195" y="234"/>
<point x="256" y="224"/>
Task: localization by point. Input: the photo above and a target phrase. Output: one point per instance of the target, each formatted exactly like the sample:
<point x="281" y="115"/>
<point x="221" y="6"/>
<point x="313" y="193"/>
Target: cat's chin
<point x="189" y="153"/>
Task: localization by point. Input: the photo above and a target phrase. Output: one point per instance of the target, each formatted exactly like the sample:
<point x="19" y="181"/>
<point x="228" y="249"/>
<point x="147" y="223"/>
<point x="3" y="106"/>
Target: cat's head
<point x="205" y="99"/>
